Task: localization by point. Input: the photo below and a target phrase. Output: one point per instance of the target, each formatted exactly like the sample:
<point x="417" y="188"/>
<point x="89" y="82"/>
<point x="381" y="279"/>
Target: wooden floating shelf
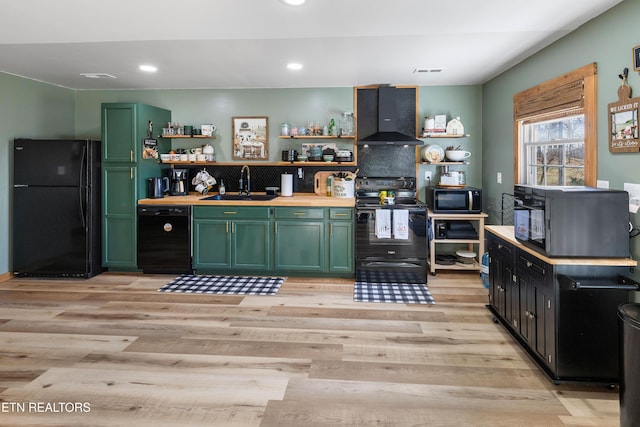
<point x="444" y="135"/>
<point x="444" y="163"/>
<point x="186" y="136"/>
<point x="317" y="137"/>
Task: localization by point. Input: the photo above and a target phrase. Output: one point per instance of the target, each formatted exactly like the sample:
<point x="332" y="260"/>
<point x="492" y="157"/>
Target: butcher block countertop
<point x="506" y="232"/>
<point x="298" y="199"/>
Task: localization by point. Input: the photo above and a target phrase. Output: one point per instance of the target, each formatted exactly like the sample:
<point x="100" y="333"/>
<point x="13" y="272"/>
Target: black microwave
<point x="454" y="200"/>
<point x="572" y="221"/>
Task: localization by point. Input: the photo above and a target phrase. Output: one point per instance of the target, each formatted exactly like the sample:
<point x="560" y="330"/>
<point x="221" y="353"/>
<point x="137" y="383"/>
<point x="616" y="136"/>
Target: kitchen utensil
<point x="320" y="182"/>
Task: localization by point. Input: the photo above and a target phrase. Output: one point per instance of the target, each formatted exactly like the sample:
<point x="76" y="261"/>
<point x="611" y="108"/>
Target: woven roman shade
<point x="557" y="98"/>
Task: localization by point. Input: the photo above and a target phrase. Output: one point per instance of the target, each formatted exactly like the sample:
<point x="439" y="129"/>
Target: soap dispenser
<point x="221" y="189"/>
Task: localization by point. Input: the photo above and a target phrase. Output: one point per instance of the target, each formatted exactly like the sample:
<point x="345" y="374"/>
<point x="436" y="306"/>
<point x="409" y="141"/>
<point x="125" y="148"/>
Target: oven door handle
<point x="623" y="283"/>
<point x="400" y="264"/>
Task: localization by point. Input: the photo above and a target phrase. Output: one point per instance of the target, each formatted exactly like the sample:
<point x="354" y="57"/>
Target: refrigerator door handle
<point x="81" y="188"/>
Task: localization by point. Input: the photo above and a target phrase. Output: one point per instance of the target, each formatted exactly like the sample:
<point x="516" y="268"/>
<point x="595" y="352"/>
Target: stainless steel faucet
<point x="246" y="190"/>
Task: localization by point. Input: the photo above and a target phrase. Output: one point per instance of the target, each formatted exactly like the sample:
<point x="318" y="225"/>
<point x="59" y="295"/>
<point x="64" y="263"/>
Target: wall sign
<point x="623" y="120"/>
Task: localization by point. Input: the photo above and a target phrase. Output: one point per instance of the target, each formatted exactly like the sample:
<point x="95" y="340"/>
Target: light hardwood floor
<point x="308" y="356"/>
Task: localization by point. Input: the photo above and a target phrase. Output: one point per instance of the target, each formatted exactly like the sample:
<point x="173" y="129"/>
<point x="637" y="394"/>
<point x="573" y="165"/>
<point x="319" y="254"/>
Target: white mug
<point x="201" y="157"/>
<point x="184" y="157"/>
<point x="202" y="189"/>
<point x="192" y="157"/>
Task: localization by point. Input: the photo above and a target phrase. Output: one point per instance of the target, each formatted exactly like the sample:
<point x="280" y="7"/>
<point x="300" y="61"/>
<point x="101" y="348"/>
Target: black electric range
<point x="391" y="233"/>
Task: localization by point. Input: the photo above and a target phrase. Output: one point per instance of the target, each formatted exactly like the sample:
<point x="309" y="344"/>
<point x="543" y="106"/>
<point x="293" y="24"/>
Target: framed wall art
<point x="636" y="58"/>
<point x="623" y="122"/>
<point x="250" y="138"/>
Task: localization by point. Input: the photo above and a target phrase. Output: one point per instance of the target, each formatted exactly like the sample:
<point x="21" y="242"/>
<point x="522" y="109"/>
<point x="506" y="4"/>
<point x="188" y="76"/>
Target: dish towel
<point x="401" y="224"/>
<point x="383" y="223"/>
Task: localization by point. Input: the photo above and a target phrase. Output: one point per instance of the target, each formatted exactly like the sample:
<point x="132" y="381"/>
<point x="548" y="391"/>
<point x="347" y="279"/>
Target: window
<point x="553" y="151"/>
<point x="555" y="131"/>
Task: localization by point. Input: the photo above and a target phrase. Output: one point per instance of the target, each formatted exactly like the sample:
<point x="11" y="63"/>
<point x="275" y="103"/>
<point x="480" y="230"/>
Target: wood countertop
<point x="506" y="232"/>
<point x="298" y="199"/>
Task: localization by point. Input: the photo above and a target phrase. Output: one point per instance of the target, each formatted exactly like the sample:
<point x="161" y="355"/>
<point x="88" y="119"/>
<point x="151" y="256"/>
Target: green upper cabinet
<point x="124" y="175"/>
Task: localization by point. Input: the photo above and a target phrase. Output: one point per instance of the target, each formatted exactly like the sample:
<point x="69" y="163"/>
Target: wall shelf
<point x="444" y="135"/>
<point x="317" y="137"/>
<point x="186" y="136"/>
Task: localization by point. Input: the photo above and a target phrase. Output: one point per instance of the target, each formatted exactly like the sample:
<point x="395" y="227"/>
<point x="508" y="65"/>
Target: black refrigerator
<point x="56" y="208"/>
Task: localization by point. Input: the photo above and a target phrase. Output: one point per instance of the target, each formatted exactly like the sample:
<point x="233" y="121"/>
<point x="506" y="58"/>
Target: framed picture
<point x="636" y="58"/>
<point x="250" y="138"/>
<point x="623" y="124"/>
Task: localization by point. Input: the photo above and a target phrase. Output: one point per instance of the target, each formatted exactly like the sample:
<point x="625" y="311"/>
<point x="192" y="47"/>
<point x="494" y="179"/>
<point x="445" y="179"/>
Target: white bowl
<point x="457" y="155"/>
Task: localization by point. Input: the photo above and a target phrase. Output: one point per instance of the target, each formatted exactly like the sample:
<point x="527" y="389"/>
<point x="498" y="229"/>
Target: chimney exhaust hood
<point x="387" y="115"/>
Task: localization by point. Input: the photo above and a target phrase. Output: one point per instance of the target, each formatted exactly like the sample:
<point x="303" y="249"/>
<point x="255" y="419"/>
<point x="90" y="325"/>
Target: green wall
<point x="218" y="106"/>
<point x="28" y="109"/>
<point x="608" y="41"/>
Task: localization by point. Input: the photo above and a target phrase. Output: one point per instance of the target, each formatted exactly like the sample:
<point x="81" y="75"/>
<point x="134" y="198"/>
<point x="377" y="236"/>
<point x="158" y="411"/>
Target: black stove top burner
<point x="404" y="189"/>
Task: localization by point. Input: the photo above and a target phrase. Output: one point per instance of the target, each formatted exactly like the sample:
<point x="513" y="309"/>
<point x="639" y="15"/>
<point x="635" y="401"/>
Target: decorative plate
<point x="433" y="153"/>
<point x="455" y="127"/>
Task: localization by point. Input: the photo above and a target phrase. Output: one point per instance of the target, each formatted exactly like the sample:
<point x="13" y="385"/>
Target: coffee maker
<point x="178" y="180"/>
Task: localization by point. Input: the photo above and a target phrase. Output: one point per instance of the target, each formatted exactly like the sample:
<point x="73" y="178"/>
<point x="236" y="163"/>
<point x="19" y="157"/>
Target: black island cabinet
<point x="563" y="311"/>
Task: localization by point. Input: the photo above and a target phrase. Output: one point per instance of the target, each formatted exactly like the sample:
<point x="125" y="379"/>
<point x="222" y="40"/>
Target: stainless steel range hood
<point x="395" y="117"/>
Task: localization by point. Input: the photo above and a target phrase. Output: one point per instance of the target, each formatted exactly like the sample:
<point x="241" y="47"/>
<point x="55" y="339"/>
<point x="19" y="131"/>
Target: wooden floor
<point x="111" y="351"/>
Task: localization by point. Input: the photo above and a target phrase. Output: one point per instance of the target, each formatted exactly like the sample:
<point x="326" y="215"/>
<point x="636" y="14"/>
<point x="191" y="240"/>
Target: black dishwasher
<point x="164" y="239"/>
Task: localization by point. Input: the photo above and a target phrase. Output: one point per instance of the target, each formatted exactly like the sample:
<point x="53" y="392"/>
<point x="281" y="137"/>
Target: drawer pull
<point x="230" y="212"/>
<point x="341" y="214"/>
<point x="299" y="213"/>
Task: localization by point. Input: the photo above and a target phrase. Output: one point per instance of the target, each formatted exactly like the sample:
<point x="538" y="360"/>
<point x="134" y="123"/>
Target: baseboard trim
<point x="6" y="276"/>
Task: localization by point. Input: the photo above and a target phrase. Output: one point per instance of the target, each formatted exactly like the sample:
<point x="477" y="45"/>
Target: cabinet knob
<point x="529" y="264"/>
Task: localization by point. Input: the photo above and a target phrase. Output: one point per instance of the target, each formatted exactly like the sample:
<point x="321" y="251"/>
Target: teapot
<point x="208" y="149"/>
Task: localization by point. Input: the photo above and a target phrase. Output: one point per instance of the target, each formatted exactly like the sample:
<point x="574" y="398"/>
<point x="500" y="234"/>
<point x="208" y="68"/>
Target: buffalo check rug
<point x="404" y="293"/>
<point x="234" y="285"/>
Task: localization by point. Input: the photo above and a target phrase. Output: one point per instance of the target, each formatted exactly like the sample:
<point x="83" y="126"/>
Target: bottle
<point x="485" y="269"/>
<point x="221" y="189"/>
<point x="329" y="185"/>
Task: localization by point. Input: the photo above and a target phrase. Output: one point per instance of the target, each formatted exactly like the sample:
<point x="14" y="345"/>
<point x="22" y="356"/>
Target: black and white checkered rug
<point x="404" y="293"/>
<point x="235" y="285"/>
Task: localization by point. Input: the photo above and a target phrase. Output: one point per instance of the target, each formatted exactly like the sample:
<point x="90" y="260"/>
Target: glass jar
<point x="346" y="124"/>
<point x="285" y="129"/>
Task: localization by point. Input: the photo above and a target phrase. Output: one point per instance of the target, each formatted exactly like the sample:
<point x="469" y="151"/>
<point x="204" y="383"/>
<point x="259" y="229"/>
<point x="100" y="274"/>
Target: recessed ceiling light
<point x="293" y="2"/>
<point x="148" y="68"/>
<point x="294" y="66"/>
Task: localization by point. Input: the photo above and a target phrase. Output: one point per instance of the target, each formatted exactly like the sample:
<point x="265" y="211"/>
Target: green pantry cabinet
<point x="124" y="175"/>
<point x="273" y="240"/>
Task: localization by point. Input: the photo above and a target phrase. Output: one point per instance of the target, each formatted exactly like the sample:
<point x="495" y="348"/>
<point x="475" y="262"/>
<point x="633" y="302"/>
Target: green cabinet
<point x="273" y="240"/>
<point x="231" y="238"/>
<point x="300" y="239"/>
<point x="341" y="240"/>
<point x="124" y="175"/>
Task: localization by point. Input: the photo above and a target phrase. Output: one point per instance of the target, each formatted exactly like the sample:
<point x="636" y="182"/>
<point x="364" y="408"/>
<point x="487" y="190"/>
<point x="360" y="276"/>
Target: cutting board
<point x="320" y="181"/>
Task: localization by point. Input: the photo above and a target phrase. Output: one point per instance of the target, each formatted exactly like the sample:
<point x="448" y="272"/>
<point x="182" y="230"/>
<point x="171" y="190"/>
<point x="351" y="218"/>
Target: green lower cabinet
<point x="299" y="246"/>
<point x="228" y="240"/>
<point x="341" y="251"/>
<point x="119" y="217"/>
<point x="273" y="240"/>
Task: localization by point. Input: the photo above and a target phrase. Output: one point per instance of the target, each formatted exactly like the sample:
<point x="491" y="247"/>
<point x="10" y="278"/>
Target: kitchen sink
<point x="238" y="197"/>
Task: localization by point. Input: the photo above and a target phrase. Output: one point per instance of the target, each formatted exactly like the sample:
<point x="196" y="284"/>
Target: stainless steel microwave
<point x="454" y="200"/>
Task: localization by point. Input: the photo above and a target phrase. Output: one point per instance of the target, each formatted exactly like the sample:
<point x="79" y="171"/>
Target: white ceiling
<point x="247" y="43"/>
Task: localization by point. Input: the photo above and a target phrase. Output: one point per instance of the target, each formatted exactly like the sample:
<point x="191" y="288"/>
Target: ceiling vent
<point x="97" y="75"/>
<point x="428" y="70"/>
